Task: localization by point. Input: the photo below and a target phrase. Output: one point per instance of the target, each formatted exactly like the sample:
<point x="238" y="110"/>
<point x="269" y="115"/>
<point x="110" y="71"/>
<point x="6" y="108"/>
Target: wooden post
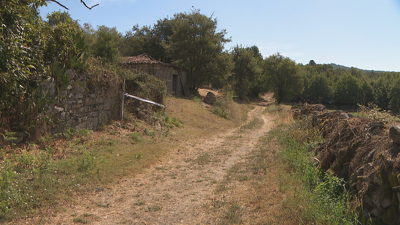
<point x="123" y="100"/>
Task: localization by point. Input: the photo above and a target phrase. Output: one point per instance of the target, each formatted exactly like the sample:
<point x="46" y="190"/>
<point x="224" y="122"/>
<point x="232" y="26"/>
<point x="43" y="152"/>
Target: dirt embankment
<point x="360" y="151"/>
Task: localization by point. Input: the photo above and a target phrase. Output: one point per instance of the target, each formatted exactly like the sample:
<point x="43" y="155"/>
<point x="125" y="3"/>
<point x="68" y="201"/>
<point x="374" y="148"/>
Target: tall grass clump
<point x="226" y="108"/>
<point x="321" y="198"/>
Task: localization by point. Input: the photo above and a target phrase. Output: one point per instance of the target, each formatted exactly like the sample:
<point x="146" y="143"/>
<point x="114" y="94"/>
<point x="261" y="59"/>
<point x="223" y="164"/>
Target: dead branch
<point x="88" y="6"/>
<point x="84" y="3"/>
<point x="58" y="4"/>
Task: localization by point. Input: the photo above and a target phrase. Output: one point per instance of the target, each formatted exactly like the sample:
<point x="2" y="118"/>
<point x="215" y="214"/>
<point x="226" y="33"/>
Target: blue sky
<point x="359" y="33"/>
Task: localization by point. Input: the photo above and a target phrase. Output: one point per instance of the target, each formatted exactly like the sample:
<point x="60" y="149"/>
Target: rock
<point x="394" y="133"/>
<point x="210" y="98"/>
<point x="377" y="199"/>
<point x="376" y="212"/>
<point x="344" y="116"/>
<point x="386" y="203"/>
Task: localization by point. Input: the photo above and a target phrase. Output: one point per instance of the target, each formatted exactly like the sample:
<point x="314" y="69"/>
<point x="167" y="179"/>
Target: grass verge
<point x="278" y="182"/>
<point x="315" y="197"/>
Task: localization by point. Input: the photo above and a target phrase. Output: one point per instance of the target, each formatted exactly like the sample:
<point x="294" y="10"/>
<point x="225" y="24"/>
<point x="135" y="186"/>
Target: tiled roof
<point x="142" y="59"/>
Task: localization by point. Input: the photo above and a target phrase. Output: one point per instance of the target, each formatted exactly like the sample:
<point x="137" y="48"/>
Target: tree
<point x="246" y="71"/>
<point x="107" y="43"/>
<point x="320" y="90"/>
<point x="150" y="40"/>
<point x="382" y="88"/>
<point x="348" y="91"/>
<point x="65" y="42"/>
<point x="284" y="77"/>
<point x="27" y="58"/>
<point x="195" y="44"/>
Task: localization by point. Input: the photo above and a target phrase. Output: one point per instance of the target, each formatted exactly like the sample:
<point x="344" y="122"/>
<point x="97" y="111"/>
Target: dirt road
<point x="179" y="189"/>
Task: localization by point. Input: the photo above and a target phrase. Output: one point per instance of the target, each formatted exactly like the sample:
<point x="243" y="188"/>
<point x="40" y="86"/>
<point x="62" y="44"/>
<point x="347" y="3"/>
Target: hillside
<point x="336" y="66"/>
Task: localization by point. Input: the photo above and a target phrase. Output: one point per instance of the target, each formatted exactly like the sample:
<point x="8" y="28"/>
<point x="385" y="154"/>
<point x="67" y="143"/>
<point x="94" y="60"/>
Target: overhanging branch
<point x="84" y="3"/>
<point x="88" y="6"/>
<point x="58" y="4"/>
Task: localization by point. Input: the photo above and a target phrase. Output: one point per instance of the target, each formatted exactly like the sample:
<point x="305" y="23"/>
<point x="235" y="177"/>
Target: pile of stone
<point x="365" y="153"/>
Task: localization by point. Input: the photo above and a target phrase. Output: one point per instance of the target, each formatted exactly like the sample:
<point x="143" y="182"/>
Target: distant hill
<point x="336" y="66"/>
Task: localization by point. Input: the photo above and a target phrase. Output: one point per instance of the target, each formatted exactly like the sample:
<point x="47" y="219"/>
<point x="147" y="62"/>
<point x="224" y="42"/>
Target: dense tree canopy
<point x="284" y="77"/>
<point x="247" y="71"/>
<point x="107" y="43"/>
<point x="195" y="44"/>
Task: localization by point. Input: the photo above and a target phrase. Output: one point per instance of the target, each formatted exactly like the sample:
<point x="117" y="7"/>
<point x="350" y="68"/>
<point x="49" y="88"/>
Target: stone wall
<point x="86" y="103"/>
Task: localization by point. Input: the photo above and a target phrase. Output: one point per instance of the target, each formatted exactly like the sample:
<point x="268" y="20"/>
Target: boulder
<point x="210" y="98"/>
<point x="394" y="133"/>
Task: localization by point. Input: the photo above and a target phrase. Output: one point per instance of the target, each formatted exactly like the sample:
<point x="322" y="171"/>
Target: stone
<point x="108" y="104"/>
<point x="377" y="199"/>
<point x="344" y="116"/>
<point x="50" y="86"/>
<point x="71" y="74"/>
<point x="386" y="203"/>
<point x="58" y="109"/>
<point x="370" y="156"/>
<point x="210" y="98"/>
<point x="376" y="212"/>
<point x="92" y="123"/>
<point x="394" y="133"/>
<point x="368" y="201"/>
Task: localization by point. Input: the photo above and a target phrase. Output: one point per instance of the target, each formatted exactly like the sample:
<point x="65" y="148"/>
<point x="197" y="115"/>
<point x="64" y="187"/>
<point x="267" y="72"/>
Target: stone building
<point x="174" y="76"/>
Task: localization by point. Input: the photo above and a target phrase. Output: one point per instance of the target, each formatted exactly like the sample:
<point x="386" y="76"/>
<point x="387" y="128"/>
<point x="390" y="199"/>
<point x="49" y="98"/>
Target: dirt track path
<point x="176" y="190"/>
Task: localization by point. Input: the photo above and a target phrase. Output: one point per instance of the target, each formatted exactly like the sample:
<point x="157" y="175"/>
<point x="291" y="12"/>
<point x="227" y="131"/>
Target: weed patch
<point x="322" y="197"/>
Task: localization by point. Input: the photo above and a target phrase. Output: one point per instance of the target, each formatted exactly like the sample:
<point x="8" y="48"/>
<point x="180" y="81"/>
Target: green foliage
<point x="144" y="85"/>
<point x="284" y="77"/>
<point x="24" y="183"/>
<point x="375" y="113"/>
<point x="136" y="137"/>
<point x="148" y="40"/>
<point x="319" y="90"/>
<point x="325" y="197"/>
<point x="381" y="89"/>
<point x="32" y="51"/>
<point x="107" y="44"/>
<point x="222" y="107"/>
<point x="395" y="95"/>
<point x="246" y="72"/>
<point x="189" y="40"/>
<point x="195" y="44"/>
<point x="348" y="91"/>
<point x="170" y="122"/>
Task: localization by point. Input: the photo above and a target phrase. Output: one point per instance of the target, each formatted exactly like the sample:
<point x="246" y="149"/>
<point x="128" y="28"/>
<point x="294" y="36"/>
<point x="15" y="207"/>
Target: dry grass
<point x="281" y="112"/>
<point x="251" y="192"/>
<point x="93" y="161"/>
